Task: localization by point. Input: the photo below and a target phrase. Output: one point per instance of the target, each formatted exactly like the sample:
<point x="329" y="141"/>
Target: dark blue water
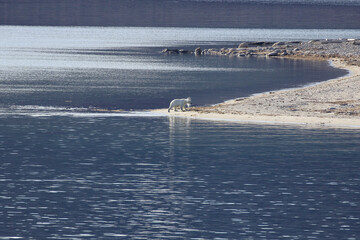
<point x="92" y="177"/>
<point x="284" y="14"/>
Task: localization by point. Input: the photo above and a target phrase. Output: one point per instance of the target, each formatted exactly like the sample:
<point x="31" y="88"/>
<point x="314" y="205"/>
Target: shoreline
<point x="332" y="103"/>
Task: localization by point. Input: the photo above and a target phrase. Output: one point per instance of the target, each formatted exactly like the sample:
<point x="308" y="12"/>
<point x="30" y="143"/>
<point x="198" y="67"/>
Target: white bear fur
<point x="180" y="103"/>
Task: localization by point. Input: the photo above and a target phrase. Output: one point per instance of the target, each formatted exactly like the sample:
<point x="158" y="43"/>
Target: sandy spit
<point x="333" y="103"/>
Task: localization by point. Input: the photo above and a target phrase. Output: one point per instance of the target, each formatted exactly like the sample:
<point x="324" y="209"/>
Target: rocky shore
<point x="346" y="49"/>
<point x="332" y="103"/>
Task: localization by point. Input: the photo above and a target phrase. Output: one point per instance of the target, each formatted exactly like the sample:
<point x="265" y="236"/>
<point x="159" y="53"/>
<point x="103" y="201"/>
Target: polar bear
<point x="180" y="103"/>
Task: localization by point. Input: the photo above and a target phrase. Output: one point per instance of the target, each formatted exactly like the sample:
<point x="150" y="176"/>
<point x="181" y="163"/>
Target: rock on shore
<point x="347" y="49"/>
<point x="197" y="51"/>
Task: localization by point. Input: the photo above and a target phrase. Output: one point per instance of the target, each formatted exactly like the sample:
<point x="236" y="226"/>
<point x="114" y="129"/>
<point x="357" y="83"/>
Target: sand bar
<point x="333" y="103"/>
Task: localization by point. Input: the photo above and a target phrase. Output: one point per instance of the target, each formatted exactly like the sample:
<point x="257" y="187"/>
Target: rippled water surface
<point x="75" y="166"/>
<point x="89" y="177"/>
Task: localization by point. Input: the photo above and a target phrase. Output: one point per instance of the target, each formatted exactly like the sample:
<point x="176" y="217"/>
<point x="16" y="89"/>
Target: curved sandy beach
<point x="333" y="103"/>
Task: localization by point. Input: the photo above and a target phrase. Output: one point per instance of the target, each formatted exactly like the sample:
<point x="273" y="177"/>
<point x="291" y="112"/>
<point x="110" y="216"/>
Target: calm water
<point x="310" y="14"/>
<point x="122" y="68"/>
<point x="70" y="168"/>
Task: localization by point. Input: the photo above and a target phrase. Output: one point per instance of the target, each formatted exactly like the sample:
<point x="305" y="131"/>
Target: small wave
<point x="11" y="238"/>
<point x="43" y="108"/>
<point x="50" y="111"/>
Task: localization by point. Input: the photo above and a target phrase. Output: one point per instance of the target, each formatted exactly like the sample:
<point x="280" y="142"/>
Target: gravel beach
<point x="334" y="103"/>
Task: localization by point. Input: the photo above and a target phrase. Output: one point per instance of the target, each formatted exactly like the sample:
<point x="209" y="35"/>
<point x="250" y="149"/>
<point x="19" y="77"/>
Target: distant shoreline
<point x="333" y="103"/>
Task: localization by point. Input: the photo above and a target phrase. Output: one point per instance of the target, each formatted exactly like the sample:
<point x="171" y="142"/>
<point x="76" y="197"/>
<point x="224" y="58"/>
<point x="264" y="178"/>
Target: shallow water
<point x="122" y="68"/>
<point x="138" y="177"/>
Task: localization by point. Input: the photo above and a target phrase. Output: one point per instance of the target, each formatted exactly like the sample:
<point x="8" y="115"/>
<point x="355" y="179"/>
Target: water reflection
<point x="179" y="135"/>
